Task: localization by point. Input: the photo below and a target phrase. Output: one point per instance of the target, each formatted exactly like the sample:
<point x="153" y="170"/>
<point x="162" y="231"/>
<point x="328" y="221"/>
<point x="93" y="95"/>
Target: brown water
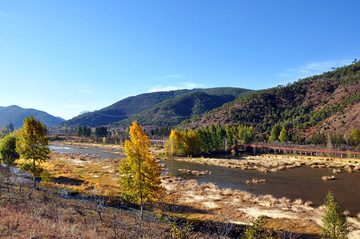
<point x="304" y="182"/>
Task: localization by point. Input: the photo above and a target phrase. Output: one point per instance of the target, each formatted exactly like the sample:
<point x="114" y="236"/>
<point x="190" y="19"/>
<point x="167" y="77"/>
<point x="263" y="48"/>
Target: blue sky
<point x="65" y="57"/>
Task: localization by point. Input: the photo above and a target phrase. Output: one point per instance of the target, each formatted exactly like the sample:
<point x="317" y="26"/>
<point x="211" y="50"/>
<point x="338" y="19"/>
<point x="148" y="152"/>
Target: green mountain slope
<point x="123" y="109"/>
<point x="329" y="102"/>
<point x="16" y="115"/>
<point x="171" y="112"/>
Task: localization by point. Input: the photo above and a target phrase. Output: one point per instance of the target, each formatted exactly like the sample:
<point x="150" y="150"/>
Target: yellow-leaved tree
<point x="174" y="146"/>
<point x="192" y="144"/>
<point x="183" y="143"/>
<point x="33" y="144"/>
<point x="139" y="173"/>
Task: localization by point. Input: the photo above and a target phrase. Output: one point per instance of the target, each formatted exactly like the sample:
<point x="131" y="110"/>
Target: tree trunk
<point x="141" y="209"/>
<point x="34" y="172"/>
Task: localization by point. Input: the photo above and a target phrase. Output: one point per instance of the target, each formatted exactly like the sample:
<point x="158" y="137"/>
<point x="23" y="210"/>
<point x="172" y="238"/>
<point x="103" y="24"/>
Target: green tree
<point x="87" y="131"/>
<point x="274" y="134"/>
<point x="355" y="137"/>
<point x="8" y="128"/>
<point x="215" y="142"/>
<point x="205" y="139"/>
<point x="283" y="137"/>
<point x="33" y="143"/>
<point x="256" y="230"/>
<point x="220" y="135"/>
<point x="80" y="131"/>
<point x="84" y="131"/>
<point x="139" y="173"/>
<point x="8" y="152"/>
<point x="335" y="226"/>
<point x="101" y="131"/>
<point x="231" y="135"/>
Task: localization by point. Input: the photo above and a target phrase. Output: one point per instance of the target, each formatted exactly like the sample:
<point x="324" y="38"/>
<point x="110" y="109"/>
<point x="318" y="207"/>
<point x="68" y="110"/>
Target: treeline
<point x="160" y="131"/>
<point x="214" y="139"/>
<point x="84" y="131"/>
<point x="208" y="140"/>
<point x="289" y="135"/>
<point x="320" y="138"/>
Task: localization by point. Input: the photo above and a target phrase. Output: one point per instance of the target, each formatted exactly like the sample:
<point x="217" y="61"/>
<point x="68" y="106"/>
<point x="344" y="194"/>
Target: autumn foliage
<point x="183" y="143"/>
<point x="139" y="173"/>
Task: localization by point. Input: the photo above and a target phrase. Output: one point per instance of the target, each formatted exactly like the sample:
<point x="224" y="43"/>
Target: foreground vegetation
<point x="26" y="212"/>
<point x="94" y="180"/>
<point x="174" y="209"/>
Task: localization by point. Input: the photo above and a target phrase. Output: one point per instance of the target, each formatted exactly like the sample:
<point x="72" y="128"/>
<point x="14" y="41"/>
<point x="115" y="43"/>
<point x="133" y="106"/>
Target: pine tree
<point x="283" y="137"/>
<point x="335" y="226"/>
<point x="274" y="133"/>
<point x="139" y="173"/>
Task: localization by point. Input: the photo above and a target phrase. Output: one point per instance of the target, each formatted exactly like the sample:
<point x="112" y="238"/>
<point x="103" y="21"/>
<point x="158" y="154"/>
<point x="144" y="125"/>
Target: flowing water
<point x="303" y="182"/>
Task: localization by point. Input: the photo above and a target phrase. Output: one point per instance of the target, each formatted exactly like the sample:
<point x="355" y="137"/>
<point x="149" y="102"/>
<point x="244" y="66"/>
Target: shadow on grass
<point x="168" y="207"/>
<point x="69" y="181"/>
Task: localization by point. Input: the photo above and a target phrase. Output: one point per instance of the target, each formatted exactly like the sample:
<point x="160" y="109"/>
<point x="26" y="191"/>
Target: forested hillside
<point x="123" y="108"/>
<point x="173" y="111"/>
<point x="166" y="108"/>
<point x="329" y="102"/>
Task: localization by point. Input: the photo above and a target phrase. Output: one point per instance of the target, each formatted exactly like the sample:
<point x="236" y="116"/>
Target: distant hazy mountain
<point x="16" y="115"/>
<point x="84" y="112"/>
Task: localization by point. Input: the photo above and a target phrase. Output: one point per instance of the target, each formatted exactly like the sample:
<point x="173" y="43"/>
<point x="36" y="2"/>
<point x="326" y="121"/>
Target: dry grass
<point x="28" y="213"/>
<point x="192" y="201"/>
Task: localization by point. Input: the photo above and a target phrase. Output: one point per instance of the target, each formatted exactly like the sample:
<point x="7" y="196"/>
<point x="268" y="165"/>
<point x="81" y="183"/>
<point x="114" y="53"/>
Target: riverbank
<point x="205" y="201"/>
<point x="273" y="163"/>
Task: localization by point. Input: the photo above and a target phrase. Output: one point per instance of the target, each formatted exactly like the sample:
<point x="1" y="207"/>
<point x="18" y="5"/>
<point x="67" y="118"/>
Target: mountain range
<point x="16" y="115"/>
<point x="167" y="108"/>
<point x="329" y="102"/>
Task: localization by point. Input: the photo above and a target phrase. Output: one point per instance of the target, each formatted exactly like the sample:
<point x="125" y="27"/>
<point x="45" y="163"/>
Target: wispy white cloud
<point x="172" y="76"/>
<point x="73" y="106"/>
<point x="183" y="85"/>
<point x="310" y="69"/>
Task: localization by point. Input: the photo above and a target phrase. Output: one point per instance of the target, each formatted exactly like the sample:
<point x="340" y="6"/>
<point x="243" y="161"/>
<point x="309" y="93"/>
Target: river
<point x="303" y="182"/>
